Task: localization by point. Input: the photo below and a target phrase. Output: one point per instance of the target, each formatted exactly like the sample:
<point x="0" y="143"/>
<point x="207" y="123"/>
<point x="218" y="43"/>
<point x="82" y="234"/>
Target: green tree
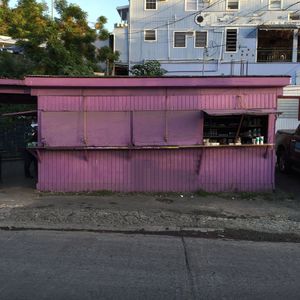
<point x="63" y="46"/>
<point x="107" y="55"/>
<point x="15" y="66"/>
<point x="149" y="68"/>
<point x="103" y="33"/>
<point x="5" y="12"/>
<point x="29" y="23"/>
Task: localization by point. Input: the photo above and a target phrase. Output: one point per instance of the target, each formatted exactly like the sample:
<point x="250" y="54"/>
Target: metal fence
<point x="274" y="55"/>
<point x="12" y="137"/>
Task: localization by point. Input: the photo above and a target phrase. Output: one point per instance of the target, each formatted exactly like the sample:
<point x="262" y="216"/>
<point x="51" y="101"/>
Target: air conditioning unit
<point x="294" y="16"/>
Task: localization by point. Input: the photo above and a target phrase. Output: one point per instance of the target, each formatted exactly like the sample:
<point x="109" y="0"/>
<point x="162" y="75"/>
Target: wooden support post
<point x="84" y="121"/>
<point x="131" y="130"/>
<point x="199" y="163"/>
<point x="240" y="126"/>
<point x="166" y="117"/>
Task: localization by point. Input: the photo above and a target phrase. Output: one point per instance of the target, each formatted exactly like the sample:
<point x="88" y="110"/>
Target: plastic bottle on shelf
<point x="261" y="140"/>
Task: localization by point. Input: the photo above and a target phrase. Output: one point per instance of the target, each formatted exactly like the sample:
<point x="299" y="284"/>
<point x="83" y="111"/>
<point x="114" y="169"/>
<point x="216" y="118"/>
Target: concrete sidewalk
<point x="270" y="216"/>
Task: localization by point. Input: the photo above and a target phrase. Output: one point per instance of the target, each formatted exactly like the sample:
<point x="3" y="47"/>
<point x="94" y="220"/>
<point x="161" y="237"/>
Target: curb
<point x="209" y="233"/>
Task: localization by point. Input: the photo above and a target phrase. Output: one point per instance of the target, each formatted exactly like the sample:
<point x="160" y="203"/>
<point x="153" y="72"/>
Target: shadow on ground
<point x="288" y="183"/>
<point x="13" y="175"/>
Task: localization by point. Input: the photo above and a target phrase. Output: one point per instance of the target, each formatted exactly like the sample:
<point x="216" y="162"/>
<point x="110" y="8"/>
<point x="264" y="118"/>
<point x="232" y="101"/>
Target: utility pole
<point x="52" y="10"/>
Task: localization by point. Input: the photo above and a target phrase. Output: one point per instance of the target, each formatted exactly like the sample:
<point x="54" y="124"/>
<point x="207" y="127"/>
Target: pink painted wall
<point x="108" y="118"/>
<point x="117" y="116"/>
<point x="227" y="169"/>
<point x="156" y="99"/>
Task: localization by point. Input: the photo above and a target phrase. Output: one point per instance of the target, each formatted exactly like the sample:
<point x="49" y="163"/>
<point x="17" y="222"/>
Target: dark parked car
<point x="13" y="49"/>
<point x="288" y="149"/>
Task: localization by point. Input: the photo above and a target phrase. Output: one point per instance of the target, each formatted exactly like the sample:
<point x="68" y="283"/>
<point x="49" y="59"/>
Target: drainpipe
<point x="166" y="117"/>
<point x="221" y="51"/>
<point x="231" y="67"/>
<point x="83" y="99"/>
<point x="52" y="10"/>
<point x="203" y="60"/>
<point x="168" y="32"/>
<point x="242" y="68"/>
<point x="222" y="47"/>
<point x="295" y="46"/>
<point x="129" y="36"/>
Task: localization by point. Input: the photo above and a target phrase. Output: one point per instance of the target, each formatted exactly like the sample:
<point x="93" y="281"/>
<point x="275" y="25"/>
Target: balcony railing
<point x="274" y="55"/>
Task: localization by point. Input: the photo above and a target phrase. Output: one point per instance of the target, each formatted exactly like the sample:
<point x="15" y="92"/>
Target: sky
<point x="96" y="8"/>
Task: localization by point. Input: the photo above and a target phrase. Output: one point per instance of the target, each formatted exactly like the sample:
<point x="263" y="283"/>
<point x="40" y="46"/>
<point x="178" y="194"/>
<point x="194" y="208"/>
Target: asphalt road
<point x="69" y="265"/>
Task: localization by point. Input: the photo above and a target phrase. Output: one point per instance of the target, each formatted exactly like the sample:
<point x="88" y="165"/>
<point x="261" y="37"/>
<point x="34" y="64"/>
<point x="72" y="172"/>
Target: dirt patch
<point x="165" y="200"/>
<point x="219" y="214"/>
<point x="44" y="206"/>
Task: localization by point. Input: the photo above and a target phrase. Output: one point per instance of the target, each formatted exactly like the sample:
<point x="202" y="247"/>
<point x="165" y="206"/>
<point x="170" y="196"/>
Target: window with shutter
<point x="179" y="39"/>
<point x="231" y="40"/>
<point x="201" y="39"/>
<point x="151" y="4"/>
<point x="150" y="35"/>
<point x="275" y="4"/>
<point x="194" y="5"/>
<point x="232" y="4"/>
<point x="191" y="4"/>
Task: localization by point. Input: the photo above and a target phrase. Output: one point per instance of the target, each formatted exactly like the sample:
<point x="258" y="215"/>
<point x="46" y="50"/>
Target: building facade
<point x="6" y="41"/>
<point x="213" y="37"/>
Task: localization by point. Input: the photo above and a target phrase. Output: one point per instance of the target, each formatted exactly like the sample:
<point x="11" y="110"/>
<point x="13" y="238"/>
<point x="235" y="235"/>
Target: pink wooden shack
<point x="156" y="134"/>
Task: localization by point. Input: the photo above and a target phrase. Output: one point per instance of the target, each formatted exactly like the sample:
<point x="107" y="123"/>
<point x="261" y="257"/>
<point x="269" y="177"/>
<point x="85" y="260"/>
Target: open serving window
<point x="236" y="127"/>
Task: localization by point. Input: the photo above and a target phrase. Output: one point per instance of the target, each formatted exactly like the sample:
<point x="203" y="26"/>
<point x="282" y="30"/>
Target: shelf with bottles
<point x="254" y="130"/>
<point x="236" y="129"/>
<point x="220" y="127"/>
<point x="212" y="134"/>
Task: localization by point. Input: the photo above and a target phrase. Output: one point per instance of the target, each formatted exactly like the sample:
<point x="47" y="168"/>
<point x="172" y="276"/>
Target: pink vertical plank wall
<point x="157" y="170"/>
<point x="105" y="120"/>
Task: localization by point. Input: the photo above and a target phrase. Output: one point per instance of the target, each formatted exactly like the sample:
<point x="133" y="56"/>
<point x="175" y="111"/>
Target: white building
<point x="213" y="37"/>
<point x="6" y="41"/>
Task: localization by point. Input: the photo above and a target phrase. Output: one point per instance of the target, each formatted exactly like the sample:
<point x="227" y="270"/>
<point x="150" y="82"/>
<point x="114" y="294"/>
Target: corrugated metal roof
<point x="21" y="113"/>
<point x="155" y="82"/>
<point x="229" y="112"/>
<point x="286" y="26"/>
<point x="289" y="107"/>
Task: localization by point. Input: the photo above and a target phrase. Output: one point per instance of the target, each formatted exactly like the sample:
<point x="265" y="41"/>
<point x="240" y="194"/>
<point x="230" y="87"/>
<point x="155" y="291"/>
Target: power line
<point x="291" y="5"/>
<point x="203" y="10"/>
<point x="207" y="28"/>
